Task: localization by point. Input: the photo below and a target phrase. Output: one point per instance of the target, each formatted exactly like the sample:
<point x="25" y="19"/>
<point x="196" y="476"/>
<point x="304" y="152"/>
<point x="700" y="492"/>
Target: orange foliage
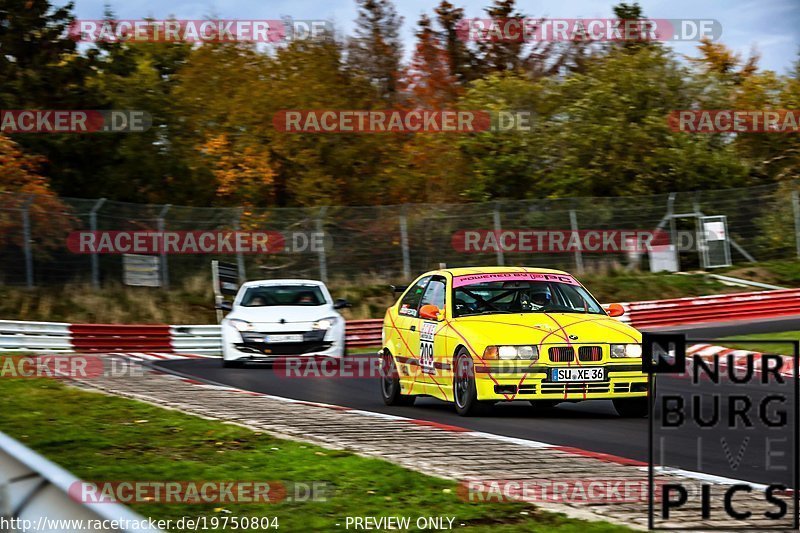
<point x="428" y="79"/>
<point x="21" y="182"/>
<point x="244" y="176"/>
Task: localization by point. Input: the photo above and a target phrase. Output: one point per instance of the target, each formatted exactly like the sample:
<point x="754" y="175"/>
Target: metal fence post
<point x="323" y="265"/>
<point x="673" y="230"/>
<point x="164" y="266"/>
<point x="573" y="222"/>
<point x="796" y="210"/>
<point x="237" y="225"/>
<point x="93" y="228"/>
<point x="26" y="240"/>
<point x="404" y="244"/>
<point x="501" y="259"/>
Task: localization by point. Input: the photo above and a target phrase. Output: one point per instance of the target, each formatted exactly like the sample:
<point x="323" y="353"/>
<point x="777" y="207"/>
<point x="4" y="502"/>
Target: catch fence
<point x="397" y="242"/>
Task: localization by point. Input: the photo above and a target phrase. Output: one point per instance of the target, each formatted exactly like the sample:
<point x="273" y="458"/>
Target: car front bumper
<point x="255" y="346"/>
<point x="535" y="383"/>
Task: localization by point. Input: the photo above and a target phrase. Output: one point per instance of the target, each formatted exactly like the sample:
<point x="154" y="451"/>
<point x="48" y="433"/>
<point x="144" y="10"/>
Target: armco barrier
<point x="120" y="338"/>
<point x="29" y="336"/>
<point x="37" y="492"/>
<point x="361" y="333"/>
<point x="737" y="306"/>
<point x="205" y="339"/>
<point x="25" y="336"/>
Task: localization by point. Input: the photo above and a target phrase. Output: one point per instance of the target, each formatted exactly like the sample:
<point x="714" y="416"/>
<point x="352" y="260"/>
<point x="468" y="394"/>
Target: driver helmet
<point x="540" y="297"/>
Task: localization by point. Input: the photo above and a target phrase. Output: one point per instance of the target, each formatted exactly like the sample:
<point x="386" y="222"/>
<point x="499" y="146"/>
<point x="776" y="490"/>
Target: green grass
<point x="783" y="348"/>
<point x="624" y="286"/>
<point x="98" y="437"/>
<point x="781" y="273"/>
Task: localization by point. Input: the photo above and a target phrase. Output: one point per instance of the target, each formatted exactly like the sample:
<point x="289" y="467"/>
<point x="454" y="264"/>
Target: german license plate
<point x="275" y="339"/>
<point x="580" y="374"/>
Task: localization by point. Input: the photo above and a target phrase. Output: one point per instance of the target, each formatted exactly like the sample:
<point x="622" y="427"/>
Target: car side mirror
<point x="225" y="306"/>
<point x="341" y="303"/>
<point x="429" y="312"/>
<point x="615" y="310"/>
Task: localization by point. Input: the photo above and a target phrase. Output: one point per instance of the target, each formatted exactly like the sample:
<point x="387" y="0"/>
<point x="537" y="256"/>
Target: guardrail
<point x="23" y="336"/>
<point x="718" y="308"/>
<point x="362" y="333"/>
<point x="206" y="339"/>
<point x="36" y="490"/>
<point x="30" y="336"/>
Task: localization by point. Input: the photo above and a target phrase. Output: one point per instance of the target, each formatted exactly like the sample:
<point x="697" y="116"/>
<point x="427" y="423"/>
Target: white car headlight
<point x="511" y="352"/>
<point x="626" y="350"/>
<point x="324" y="323"/>
<point x="241" y="325"/>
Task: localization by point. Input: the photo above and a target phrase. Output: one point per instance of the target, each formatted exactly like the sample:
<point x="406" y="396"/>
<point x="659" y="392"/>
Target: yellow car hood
<point x="538" y="328"/>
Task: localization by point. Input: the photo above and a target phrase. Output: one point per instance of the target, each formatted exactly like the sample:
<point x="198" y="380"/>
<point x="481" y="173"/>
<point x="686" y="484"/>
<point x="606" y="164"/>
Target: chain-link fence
<point x="397" y="242"/>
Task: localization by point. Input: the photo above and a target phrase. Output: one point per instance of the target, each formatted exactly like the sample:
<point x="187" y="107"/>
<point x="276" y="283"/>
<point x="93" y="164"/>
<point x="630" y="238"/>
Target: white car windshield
<point x="522" y="296"/>
<point x="272" y="295"/>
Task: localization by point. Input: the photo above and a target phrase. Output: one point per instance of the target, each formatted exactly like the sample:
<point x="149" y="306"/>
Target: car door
<point x="406" y="323"/>
<point x="431" y="349"/>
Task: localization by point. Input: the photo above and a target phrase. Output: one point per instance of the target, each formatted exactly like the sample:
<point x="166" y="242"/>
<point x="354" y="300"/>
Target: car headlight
<point x="241" y="325"/>
<point x="325" y="323"/>
<point x="626" y="350"/>
<point x="511" y="352"/>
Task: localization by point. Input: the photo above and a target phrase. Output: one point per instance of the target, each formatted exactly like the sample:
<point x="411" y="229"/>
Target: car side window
<point x="410" y="302"/>
<point x="434" y="294"/>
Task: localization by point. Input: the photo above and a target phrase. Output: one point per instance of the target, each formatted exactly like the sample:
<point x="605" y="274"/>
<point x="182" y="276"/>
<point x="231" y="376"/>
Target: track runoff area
<point x="716" y="415"/>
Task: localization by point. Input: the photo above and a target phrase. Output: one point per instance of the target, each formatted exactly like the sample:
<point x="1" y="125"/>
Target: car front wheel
<point x="465" y="393"/>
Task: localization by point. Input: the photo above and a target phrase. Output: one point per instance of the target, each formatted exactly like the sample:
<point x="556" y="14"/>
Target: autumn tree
<point x="21" y="185"/>
<point x="149" y="166"/>
<point x="460" y="58"/>
<point x="243" y="174"/>
<point x="375" y="51"/>
<point x="42" y="68"/>
<point x="716" y="58"/>
<point x="608" y="133"/>
<point x="428" y="78"/>
<point x="502" y="54"/>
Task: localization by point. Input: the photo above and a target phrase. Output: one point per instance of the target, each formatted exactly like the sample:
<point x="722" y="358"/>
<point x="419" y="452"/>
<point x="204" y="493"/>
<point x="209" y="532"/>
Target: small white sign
<point x="141" y="270"/>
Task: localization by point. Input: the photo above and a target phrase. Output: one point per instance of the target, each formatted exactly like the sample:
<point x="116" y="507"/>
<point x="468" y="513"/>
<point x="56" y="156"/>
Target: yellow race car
<point x="478" y="336"/>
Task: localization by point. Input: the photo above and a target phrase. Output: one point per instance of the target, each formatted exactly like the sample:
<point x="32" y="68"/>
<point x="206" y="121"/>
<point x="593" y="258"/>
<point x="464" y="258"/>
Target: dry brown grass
<point x="192" y="301"/>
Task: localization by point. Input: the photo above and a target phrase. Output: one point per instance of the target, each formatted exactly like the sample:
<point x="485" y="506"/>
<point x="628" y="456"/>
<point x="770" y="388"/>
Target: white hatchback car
<point x="272" y="318"/>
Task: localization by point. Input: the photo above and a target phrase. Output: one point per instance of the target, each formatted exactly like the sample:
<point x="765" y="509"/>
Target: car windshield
<point x="271" y="295"/>
<point x="522" y="296"/>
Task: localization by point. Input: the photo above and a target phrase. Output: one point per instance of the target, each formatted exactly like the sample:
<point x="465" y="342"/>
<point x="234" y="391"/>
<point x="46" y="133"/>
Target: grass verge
<point x="784" y="349"/>
<point x="98" y="437"/>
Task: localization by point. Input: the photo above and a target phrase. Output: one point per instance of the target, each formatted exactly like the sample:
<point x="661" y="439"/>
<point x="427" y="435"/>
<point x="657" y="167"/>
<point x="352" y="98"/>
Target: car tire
<point x="465" y="393"/>
<point x="632" y="407"/>
<point x="390" y="383"/>
<point x="232" y="364"/>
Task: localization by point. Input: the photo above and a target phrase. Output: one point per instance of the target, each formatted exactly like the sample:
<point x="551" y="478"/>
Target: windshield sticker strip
<point x="471" y="279"/>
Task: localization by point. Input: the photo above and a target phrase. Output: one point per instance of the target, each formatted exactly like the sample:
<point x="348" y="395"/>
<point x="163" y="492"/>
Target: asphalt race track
<point x="591" y="425"/>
